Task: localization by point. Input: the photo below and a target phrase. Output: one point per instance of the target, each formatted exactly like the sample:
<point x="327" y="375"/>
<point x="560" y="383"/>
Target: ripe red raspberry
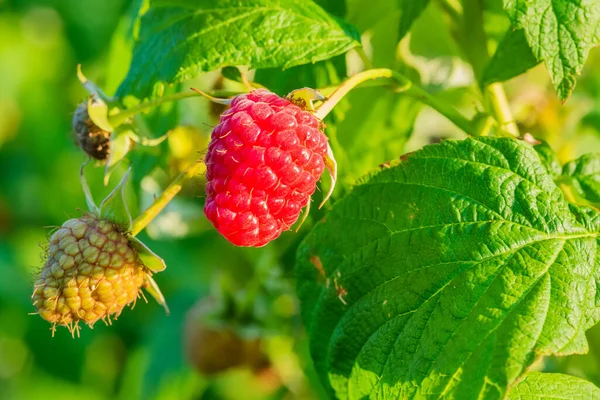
<point x="263" y="162"/>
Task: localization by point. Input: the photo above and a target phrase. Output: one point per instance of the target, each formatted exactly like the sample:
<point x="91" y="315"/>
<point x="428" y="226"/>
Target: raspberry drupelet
<point x="263" y="162"/>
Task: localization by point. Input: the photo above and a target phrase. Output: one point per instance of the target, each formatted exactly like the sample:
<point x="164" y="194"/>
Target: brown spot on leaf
<point x="316" y="262"/>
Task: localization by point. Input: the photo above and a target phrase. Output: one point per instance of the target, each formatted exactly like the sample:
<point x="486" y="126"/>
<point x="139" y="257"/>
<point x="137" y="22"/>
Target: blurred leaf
<point x="431" y="43"/>
<point x="585" y="176"/>
<point x="334" y="7"/>
<point x="318" y="75"/>
<point x="410" y="11"/>
<point x="538" y="385"/>
<point x="436" y="277"/>
<point x="376" y="127"/>
<point x="233" y="74"/>
<point x="121" y="46"/>
<point x="560" y="33"/>
<point x="512" y="58"/>
<point x="364" y="14"/>
<point x="167" y="360"/>
<point x="193" y="36"/>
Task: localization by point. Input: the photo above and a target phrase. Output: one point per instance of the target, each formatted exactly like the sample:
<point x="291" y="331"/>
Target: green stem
<point x="404" y="85"/>
<point x="161" y="201"/>
<point x="118" y="119"/>
<point x="501" y="108"/>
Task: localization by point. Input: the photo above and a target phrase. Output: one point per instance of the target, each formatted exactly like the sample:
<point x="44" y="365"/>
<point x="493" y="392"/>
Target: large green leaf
<point x="560" y="33"/>
<point x="448" y="275"/>
<point x="179" y="39"/>
<point x="537" y="385"/>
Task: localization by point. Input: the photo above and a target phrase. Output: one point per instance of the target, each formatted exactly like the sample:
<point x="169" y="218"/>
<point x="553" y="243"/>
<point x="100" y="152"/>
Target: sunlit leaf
<point x="538" y="385"/>
<point x="179" y="39"/>
<point x="448" y="275"/>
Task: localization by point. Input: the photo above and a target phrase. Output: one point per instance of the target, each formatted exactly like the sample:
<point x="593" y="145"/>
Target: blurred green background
<point x="144" y="354"/>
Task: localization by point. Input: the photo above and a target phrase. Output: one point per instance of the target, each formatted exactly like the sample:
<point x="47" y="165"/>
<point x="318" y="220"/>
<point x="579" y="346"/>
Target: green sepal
<point x="153" y="289"/>
<point x="94" y="90"/>
<point x="152" y="261"/>
<point x="331" y="166"/>
<point x="89" y="199"/>
<point x="98" y="112"/>
<point x="114" y="208"/>
<point x="120" y="144"/>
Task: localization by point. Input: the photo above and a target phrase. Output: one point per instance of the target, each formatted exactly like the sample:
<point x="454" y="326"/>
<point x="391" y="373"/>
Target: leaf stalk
<point x="402" y="84"/>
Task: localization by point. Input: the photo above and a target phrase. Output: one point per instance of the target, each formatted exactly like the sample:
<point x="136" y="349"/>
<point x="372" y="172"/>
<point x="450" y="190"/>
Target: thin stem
<point x="118" y="119"/>
<point x="161" y="201"/>
<point x="443" y="108"/>
<point x="403" y="84"/>
<point x="501" y="108"/>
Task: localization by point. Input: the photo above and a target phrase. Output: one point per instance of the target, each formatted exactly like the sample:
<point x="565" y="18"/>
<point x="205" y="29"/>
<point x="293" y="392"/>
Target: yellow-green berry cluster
<point x="91" y="273"/>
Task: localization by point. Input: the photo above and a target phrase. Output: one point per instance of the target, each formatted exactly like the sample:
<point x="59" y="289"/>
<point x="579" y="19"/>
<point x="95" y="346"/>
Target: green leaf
<point x="560" y="33"/>
<point x="114" y="207"/>
<point x="179" y="39"/>
<point x="538" y="385"/>
<point x="512" y="58"/>
<point x="410" y="11"/>
<point x="584" y="174"/>
<point x="448" y="275"/>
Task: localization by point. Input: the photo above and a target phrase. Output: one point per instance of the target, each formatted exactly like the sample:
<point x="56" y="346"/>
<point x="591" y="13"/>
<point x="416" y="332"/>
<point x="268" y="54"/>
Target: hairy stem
<point x="404" y="85"/>
<point x="118" y="119"/>
<point x="161" y="201"/>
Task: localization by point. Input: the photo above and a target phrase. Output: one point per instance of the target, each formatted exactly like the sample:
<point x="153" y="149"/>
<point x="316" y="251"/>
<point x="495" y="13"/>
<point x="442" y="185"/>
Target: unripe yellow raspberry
<point x="92" y="272"/>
